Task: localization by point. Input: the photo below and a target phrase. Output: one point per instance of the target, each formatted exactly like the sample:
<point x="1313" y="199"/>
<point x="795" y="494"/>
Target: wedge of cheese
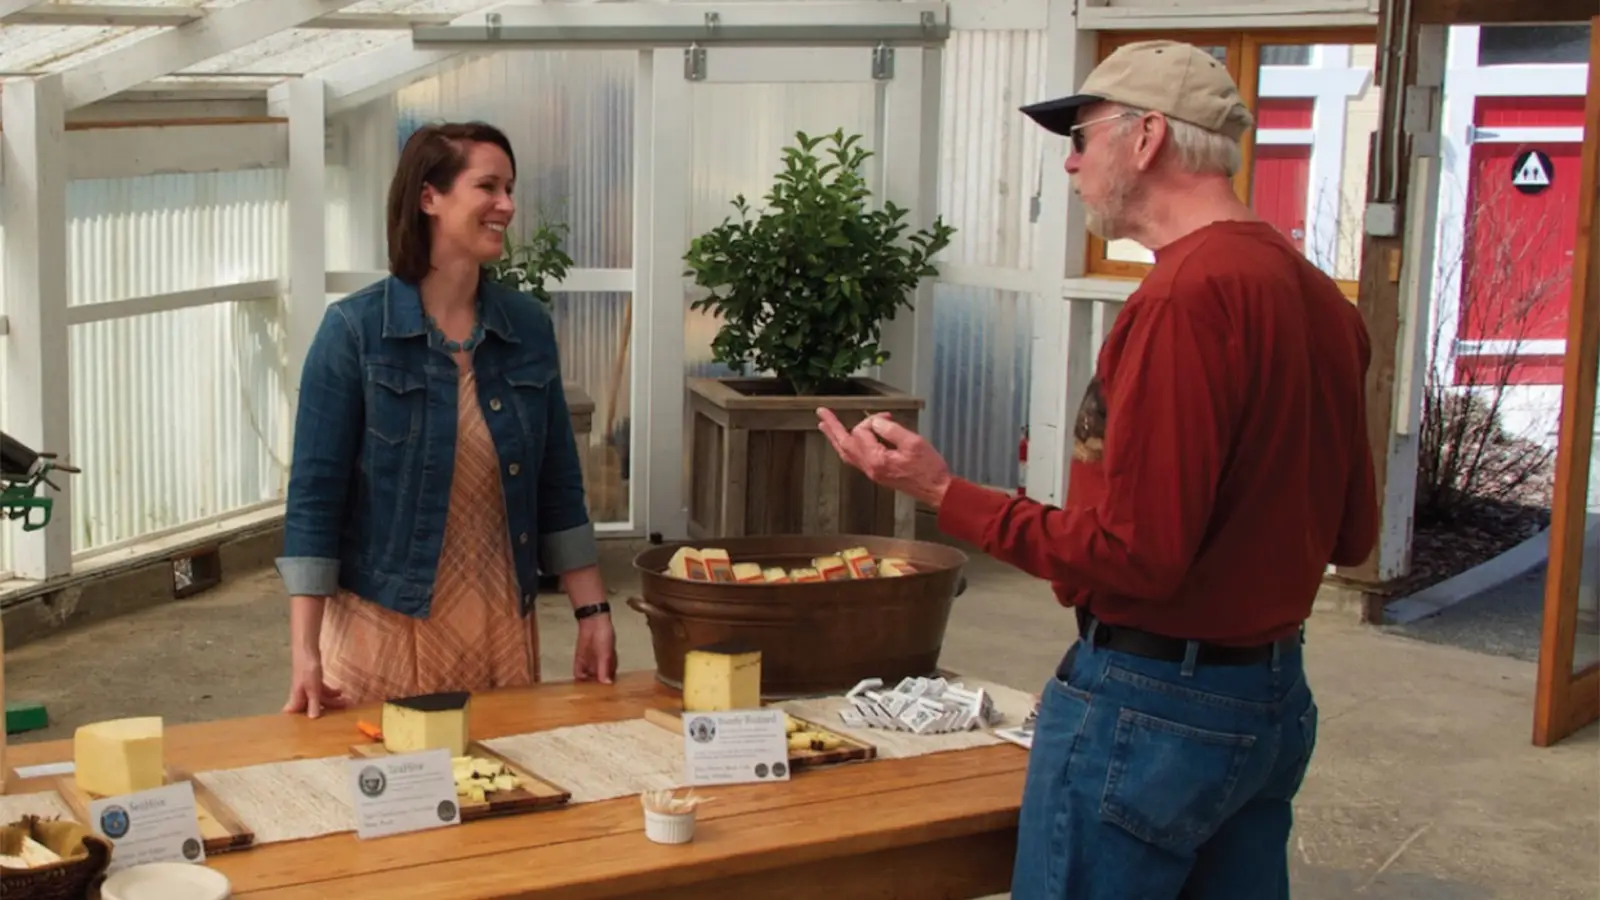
<point x="119" y="756"/>
<point x="721" y="677"/>
<point x="427" y="722"/>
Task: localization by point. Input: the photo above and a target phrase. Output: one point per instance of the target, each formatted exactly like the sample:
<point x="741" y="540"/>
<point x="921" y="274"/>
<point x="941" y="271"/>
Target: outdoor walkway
<point x="1425" y="785"/>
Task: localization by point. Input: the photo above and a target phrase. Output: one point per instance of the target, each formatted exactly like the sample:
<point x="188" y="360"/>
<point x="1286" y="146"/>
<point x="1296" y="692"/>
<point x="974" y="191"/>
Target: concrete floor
<point x="1425" y="785"/>
<point x="1506" y="620"/>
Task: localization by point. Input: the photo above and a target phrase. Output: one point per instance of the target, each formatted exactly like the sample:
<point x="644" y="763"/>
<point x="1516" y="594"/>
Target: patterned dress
<point x="474" y="637"/>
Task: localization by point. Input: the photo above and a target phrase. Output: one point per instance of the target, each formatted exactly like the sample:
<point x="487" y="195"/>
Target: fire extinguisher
<point x="1022" y="464"/>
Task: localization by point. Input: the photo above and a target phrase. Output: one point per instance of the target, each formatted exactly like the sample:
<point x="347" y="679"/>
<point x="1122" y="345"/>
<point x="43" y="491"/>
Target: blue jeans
<point x="1151" y="779"/>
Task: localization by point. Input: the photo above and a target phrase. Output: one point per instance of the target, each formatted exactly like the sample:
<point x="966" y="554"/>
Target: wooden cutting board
<point x="532" y="794"/>
<point x="850" y="751"/>
<point x="220" y="830"/>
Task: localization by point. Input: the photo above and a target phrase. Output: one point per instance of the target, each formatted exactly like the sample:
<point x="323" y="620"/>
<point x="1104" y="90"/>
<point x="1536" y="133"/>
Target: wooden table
<point x="942" y="825"/>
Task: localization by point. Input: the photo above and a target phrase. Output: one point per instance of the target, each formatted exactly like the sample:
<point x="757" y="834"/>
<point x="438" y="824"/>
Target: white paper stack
<point x="920" y="706"/>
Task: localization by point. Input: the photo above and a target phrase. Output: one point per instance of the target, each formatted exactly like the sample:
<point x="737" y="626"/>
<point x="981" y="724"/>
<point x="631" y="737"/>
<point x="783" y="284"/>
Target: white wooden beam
<point x="1195" y="17"/>
<point x="9" y="8"/>
<point x="307" y="297"/>
<point x="33" y="211"/>
<point x="662" y="149"/>
<point x="175" y="49"/>
<point x="1063" y="328"/>
<point x="910" y="112"/>
<point x="371" y="76"/>
<point x="121" y="15"/>
<point x="170" y="149"/>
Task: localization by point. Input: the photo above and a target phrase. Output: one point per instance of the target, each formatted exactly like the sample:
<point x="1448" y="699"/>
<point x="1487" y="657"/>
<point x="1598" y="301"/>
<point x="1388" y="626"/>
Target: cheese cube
<point x="721" y="677"/>
<point x="119" y="756"/>
<point x="427" y="722"/>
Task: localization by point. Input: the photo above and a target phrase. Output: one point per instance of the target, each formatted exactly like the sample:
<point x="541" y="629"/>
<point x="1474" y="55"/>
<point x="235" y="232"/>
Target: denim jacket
<point x="375" y="443"/>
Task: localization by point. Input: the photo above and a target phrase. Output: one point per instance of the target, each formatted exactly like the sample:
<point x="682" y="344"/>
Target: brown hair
<point x="434" y="155"/>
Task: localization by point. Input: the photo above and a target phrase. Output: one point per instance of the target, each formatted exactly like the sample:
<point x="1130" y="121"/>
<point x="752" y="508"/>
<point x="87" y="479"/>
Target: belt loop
<point x="1277" y="657"/>
<point x="1094" y="628"/>
<point x="1191" y="652"/>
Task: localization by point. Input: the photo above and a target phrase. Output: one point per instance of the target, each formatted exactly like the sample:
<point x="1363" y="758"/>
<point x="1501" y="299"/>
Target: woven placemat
<point x="600" y="761"/>
<point x="1012" y="704"/>
<point x="287" y="801"/>
<point x="45" y="805"/>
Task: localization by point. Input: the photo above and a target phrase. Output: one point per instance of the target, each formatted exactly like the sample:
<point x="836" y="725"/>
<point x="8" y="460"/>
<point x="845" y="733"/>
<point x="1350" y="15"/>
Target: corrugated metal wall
<point x="177" y="416"/>
<point x="989" y="174"/>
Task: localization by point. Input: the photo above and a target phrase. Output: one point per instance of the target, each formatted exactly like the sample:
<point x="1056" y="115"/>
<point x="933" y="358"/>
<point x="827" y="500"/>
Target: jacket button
<point x="514" y="468"/>
<point x="494" y="404"/>
<point x="522" y="538"/>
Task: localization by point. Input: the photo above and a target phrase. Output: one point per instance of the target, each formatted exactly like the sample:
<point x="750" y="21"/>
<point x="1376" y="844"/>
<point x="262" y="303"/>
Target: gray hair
<point x="1198" y="150"/>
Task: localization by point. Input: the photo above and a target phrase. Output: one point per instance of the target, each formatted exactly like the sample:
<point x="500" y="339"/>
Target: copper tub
<point x="818" y="638"/>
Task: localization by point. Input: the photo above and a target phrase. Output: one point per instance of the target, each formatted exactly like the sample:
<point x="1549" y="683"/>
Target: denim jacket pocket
<point x="396" y="401"/>
<point x="531" y="386"/>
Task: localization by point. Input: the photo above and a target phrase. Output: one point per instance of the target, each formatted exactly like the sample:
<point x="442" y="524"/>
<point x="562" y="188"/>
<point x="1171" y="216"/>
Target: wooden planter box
<point x="758" y="464"/>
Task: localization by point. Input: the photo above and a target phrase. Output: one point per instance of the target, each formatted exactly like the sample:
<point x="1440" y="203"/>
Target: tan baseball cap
<point x="1169" y="77"/>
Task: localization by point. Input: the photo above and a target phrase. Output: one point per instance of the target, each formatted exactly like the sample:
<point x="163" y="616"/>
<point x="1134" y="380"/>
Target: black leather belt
<point x="1125" y="639"/>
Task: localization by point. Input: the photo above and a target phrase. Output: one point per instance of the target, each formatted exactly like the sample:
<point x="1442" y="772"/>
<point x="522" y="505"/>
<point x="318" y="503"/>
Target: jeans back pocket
<point x="1169" y="784"/>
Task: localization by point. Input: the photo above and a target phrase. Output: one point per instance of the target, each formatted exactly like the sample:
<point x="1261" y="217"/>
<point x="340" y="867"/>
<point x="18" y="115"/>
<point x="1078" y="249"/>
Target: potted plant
<point x="802" y="291"/>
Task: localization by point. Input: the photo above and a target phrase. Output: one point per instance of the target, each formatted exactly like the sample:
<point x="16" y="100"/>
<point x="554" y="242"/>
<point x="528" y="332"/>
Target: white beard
<point x="1109" y="220"/>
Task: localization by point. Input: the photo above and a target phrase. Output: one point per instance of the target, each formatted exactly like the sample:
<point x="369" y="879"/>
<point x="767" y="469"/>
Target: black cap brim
<point x="1060" y="115"/>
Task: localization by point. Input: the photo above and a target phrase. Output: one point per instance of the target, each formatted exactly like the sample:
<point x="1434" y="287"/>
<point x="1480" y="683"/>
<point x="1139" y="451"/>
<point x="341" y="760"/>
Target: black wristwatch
<point x="593" y="609"/>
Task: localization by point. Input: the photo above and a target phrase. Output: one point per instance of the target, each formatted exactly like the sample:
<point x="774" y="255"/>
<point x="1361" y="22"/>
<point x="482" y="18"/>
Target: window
<point x="1305" y="164"/>
<point x="1517" y="45"/>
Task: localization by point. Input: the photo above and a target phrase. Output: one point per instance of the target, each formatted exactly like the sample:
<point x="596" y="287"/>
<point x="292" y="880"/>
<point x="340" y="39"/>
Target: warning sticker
<point x="1531" y="173"/>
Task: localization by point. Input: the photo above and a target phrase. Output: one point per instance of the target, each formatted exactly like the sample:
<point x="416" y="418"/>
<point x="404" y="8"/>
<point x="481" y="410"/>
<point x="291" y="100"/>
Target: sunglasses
<point x="1076" y="135"/>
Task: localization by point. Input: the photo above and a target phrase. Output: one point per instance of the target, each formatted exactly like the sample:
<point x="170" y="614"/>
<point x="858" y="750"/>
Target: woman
<point x="435" y="471"/>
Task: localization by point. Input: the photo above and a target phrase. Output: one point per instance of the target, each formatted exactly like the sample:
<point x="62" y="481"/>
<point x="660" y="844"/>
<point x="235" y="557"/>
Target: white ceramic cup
<point x="667" y="828"/>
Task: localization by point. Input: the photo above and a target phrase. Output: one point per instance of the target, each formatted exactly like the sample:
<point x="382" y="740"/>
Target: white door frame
<point x="908" y="109"/>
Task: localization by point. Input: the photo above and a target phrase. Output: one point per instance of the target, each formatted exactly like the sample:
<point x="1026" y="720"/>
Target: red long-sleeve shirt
<point x="1220" y="455"/>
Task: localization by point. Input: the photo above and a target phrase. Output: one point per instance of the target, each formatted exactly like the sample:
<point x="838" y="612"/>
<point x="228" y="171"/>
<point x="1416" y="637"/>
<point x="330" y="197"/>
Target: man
<point x="1220" y="462"/>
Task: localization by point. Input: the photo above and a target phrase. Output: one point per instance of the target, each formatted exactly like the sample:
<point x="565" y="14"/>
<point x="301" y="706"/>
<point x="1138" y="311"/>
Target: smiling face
<point x="469" y="218"/>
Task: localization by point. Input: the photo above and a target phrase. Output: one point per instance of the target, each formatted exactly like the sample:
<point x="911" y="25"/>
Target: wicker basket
<point x="85" y="858"/>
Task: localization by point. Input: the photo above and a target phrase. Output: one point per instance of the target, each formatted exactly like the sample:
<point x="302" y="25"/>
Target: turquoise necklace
<point x="436" y="334"/>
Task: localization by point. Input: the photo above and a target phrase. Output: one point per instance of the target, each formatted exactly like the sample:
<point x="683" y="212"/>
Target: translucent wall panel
<point x="990" y="154"/>
<point x="592" y="330"/>
<point x="135" y="237"/>
<point x="176" y="417"/>
<point x="982" y="358"/>
<point x="990" y="159"/>
<point x="179" y="416"/>
<point x="569" y="115"/>
<point x="739" y="132"/>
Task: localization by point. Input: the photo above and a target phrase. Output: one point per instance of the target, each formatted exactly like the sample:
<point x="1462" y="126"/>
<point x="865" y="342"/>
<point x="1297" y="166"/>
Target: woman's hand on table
<point x="595" y="656"/>
<point x="308" y="693"/>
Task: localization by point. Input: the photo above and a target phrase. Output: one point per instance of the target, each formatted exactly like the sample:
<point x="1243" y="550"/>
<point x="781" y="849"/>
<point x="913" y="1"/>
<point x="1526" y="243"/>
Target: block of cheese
<point x="776" y="575"/>
<point x="860" y="563"/>
<point x="721" y="677"/>
<point x="832" y="568"/>
<point x="427" y="722"/>
<point x="748" y="573"/>
<point x="895" y="568"/>
<point x="119" y="756"/>
<point x="718" y="566"/>
<point x="688" y="564"/>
